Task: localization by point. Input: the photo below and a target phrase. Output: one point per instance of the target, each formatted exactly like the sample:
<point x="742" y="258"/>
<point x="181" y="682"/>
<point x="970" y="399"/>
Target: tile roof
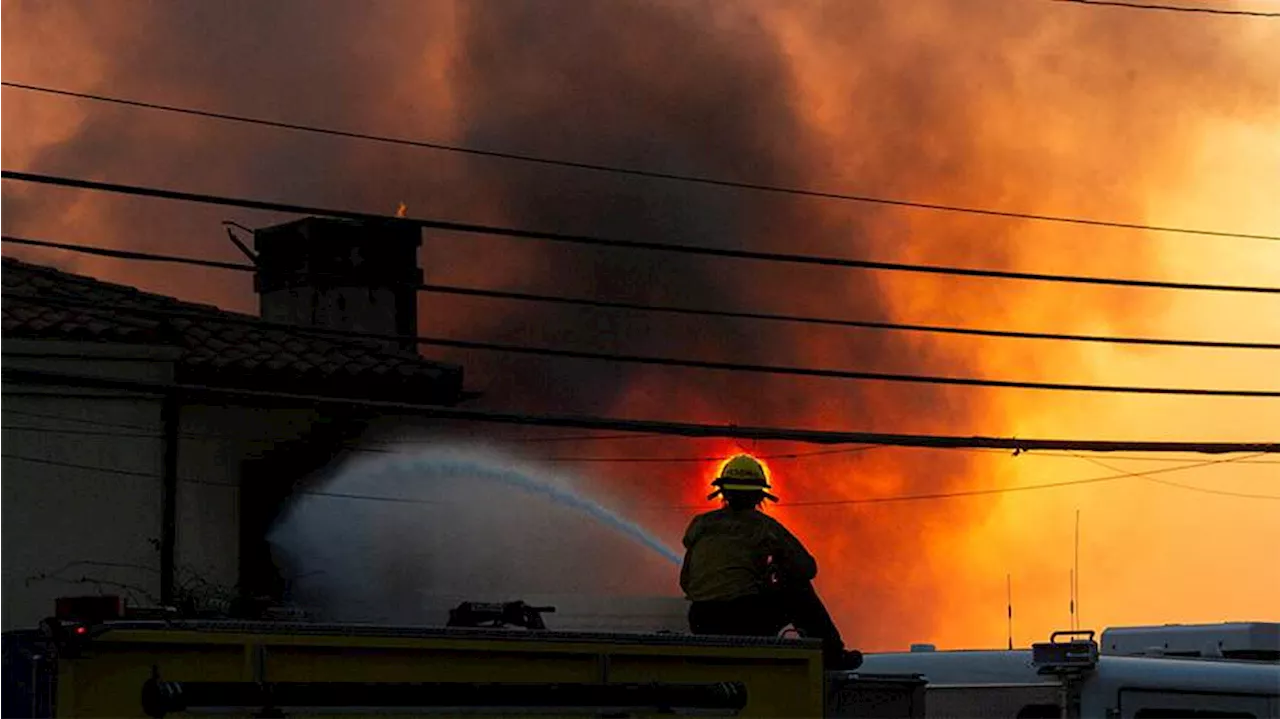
<point x="219" y="347"/>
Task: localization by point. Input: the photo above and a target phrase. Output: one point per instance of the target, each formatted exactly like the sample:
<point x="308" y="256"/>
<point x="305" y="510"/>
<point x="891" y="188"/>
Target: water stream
<point x="387" y="537"/>
<point x="432" y="466"/>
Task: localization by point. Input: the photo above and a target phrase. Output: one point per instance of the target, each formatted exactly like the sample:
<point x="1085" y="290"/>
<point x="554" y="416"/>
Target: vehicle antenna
<point x="1077" y="571"/>
<point x="1071" y="600"/>
<point x="1008" y="579"/>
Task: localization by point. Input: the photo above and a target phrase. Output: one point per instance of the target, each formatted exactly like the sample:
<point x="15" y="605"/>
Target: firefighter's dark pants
<point x="764" y="615"/>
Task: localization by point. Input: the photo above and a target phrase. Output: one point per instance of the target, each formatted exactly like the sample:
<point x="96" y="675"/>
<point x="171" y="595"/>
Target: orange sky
<point x="1204" y="157"/>
<point x="1037" y="107"/>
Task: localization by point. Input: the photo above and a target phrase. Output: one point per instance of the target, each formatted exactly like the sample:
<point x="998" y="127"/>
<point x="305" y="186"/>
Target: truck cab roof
<point x="1016" y="667"/>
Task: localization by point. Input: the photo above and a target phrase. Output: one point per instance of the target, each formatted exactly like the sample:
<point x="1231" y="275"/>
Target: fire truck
<point x="501" y="660"/>
<point x="488" y="660"/>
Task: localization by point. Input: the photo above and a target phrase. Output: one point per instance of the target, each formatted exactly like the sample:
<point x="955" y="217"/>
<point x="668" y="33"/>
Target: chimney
<point x="341" y="274"/>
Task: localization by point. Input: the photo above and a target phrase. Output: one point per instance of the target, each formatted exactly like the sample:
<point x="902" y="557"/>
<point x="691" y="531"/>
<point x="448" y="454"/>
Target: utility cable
<point x="1117" y="457"/>
<point x="886" y="499"/>
<point x="1170" y="8"/>
<point x="73" y="465"/>
<point x="145" y="432"/>
<point x="1023" y="488"/>
<point x="682" y="429"/>
<point x="595" y="437"/>
<point x="635" y="172"/>
<point x="129" y="254"/>
<point x="679" y="310"/>
<point x="593" y="241"/>
<point x="1188" y="487"/>
<point x="652" y="360"/>
<point x="837" y="322"/>
<point x="831" y="373"/>
<point x="398" y="447"/>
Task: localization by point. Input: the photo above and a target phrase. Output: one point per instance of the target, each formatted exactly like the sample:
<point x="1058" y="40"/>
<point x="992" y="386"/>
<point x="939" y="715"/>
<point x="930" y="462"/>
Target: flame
<point x="401" y="210"/>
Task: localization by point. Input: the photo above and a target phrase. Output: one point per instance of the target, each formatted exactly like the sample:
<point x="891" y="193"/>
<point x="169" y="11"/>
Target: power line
<point x="830" y="373"/>
<point x="679" y="310"/>
<point x="1024" y="488"/>
<point x="1171" y="8"/>
<point x="581" y="438"/>
<point x="152" y="431"/>
<point x="130" y="254"/>
<point x="836" y="322"/>
<point x="588" y="240"/>
<point x="683" y="429"/>
<point x="887" y="499"/>
<point x="1188" y="487"/>
<point x="903" y="498"/>
<point x="1119" y="457"/>
<point x="385" y="447"/>
<point x="815" y="503"/>
<point x="771" y="457"/>
<point x="393" y="448"/>
<point x="72" y="465"/>
<point x="635" y="172"/>
<point x="661" y="361"/>
<point x="1008" y="490"/>
<point x="867" y="500"/>
<point x="143" y="431"/>
<point x="1207" y="490"/>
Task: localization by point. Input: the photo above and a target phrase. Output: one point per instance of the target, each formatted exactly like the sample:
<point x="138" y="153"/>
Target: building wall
<point x="82" y="490"/>
<point x="214" y="442"/>
<point x="82" y="479"/>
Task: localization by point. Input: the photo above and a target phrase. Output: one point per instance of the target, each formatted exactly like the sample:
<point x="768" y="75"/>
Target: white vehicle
<point x="1203" y="671"/>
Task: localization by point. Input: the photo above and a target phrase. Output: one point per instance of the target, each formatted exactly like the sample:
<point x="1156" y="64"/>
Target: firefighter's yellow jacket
<point x="730" y="554"/>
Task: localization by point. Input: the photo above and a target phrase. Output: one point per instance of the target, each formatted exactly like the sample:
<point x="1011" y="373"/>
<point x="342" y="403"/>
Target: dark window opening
<point x="1256" y="655"/>
<point x="1157" y="713"/>
<point x="1040" y="711"/>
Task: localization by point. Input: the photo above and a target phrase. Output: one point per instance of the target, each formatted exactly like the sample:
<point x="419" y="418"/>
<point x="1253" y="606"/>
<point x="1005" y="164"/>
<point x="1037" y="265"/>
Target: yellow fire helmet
<point x="742" y="473"/>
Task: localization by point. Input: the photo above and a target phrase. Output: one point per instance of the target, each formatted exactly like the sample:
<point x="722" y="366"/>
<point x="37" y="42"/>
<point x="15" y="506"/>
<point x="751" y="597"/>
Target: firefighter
<point x="745" y="574"/>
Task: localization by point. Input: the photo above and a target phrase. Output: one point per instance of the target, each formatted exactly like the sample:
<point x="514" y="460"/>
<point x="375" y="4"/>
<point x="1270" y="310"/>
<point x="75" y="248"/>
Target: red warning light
<point x="81" y="630"/>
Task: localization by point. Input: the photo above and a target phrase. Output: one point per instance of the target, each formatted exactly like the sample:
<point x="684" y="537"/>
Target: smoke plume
<point x="1035" y="106"/>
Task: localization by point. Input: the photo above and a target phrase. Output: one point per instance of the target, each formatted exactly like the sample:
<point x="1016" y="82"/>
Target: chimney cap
<point x="340" y="230"/>
<point x="331" y="252"/>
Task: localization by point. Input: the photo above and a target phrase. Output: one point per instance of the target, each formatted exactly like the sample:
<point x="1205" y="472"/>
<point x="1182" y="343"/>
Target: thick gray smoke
<point x="1030" y="106"/>
<point x="684" y="87"/>
<point x="402" y="537"/>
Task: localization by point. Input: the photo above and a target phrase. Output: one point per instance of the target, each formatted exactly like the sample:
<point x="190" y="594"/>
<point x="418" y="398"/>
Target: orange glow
<point x="1034" y="107"/>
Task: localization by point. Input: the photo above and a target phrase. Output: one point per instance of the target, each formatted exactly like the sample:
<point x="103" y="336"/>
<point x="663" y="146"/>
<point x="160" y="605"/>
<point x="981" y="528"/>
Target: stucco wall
<point x="213" y="443"/>
<point x="83" y="484"/>
<point x="80" y="481"/>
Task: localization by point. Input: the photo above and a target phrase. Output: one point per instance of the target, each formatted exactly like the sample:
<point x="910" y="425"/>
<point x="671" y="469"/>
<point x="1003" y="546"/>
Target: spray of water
<point x="399" y="537"/>
<point x="444" y="468"/>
